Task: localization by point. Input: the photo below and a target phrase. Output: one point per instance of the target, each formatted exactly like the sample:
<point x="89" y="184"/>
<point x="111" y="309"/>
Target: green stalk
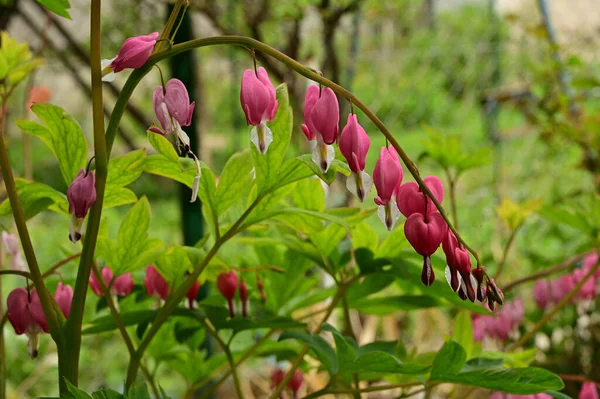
<point x="69" y="357"/>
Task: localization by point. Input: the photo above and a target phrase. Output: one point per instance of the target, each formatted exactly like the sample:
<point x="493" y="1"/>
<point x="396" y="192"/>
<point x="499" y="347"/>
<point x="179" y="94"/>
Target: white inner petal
<point x="388" y="214"/>
<point x="262" y="137"/>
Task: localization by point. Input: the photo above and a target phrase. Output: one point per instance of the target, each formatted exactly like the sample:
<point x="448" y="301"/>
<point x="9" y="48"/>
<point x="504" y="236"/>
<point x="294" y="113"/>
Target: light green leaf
<point x="163" y="146"/>
<point x="59" y="7"/>
<point x="267" y="166"/>
<point x="125" y="169"/>
<point x="363" y="235"/>
<point x="160" y="165"/>
<point x="393" y="243"/>
<point x="463" y="332"/>
<point x="309" y="194"/>
<point x="117" y="196"/>
<point x="329" y="176"/>
<point x="173" y="263"/>
<point x="35" y="198"/>
<point x="449" y="360"/>
<point x="62" y="134"/>
<point x="235" y="181"/>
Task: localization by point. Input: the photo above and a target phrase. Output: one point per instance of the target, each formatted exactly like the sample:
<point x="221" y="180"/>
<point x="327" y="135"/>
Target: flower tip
<point x="195" y="187"/>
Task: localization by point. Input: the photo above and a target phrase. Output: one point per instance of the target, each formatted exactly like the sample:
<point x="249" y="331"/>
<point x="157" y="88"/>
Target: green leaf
<point x="160" y="165"/>
<point x="107" y="394"/>
<point x="276" y="322"/>
<point x="463" y="332"/>
<point x="449" y="360"/>
<point x="320" y="347"/>
<point x="393" y="244"/>
<point x="291" y="171"/>
<point x="267" y="166"/>
<point x="173" y="263"/>
<point x="138" y="391"/>
<point x="382" y="362"/>
<point x="163" y="146"/>
<point x="107" y="323"/>
<point x="386" y="305"/>
<point x="59" y="7"/>
<point x="235" y="181"/>
<point x="363" y="235"/>
<point x="117" y="196"/>
<point x="513" y="359"/>
<point x="62" y="134"/>
<point x="125" y="169"/>
<point x="76" y="392"/>
<point x="35" y="198"/>
<point x="329" y="176"/>
<point x="558" y="395"/>
<point x="319" y="215"/>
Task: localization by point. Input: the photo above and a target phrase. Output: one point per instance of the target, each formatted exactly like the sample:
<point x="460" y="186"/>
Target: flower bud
<point x="354" y="145"/>
<point x="11" y="243"/>
<point x="411" y="200"/>
<point x="587" y="292"/>
<point x="449" y="244"/>
<point x="244" y="298"/>
<point x="295" y="382"/>
<point x="38" y="95"/>
<point x="192" y="294"/>
<point x="81" y="195"/>
<point x="227" y="284"/>
<point x="588" y="391"/>
<point x="425" y="236"/>
<point x="277" y="377"/>
<point x="496" y="292"/>
<point x="387" y="176"/>
<point x="123" y="285"/>
<point x="321" y="123"/>
<point x="134" y="52"/>
<point x="63" y="298"/>
<point x="155" y="284"/>
<point x="479" y="274"/>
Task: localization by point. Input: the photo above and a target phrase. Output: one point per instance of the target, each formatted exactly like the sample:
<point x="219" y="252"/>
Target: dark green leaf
<point x="240" y="324"/>
<point x="76" y="392"/>
<point x="107" y="394"/>
<point x="449" y="360"/>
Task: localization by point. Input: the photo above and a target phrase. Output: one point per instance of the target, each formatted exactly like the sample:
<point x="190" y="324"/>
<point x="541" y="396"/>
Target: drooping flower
<point x="155" y="284"/>
<point x="321" y="124"/>
<point x="387" y="177"/>
<point x="64" y="298"/>
<point x="588" y="391"/>
<point x="133" y="54"/>
<point x="27" y="317"/>
<point x="561" y="287"/>
<point x="277" y="376"/>
<point x="244" y="298"/>
<point x="258" y="99"/>
<point x="463" y="265"/>
<point x="227" y="284"/>
<point x="81" y="195"/>
<point x="411" y="200"/>
<point x="295" y="383"/>
<point x="121" y="286"/>
<point x="173" y="109"/>
<point x="38" y="95"/>
<point x="425" y="235"/>
<point x="354" y="145"/>
<point x="542" y="293"/>
<point x="449" y="245"/>
<point x="11" y="244"/>
<point x="192" y="294"/>
<point x="587" y="292"/>
<point x="479" y="273"/>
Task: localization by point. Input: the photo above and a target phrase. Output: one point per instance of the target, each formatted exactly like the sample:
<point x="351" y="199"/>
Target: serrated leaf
<point x="117" y="196"/>
<point x="125" y="169"/>
<point x="62" y="134"/>
<point x="160" y="165"/>
<point x="163" y="146"/>
<point x="107" y="394"/>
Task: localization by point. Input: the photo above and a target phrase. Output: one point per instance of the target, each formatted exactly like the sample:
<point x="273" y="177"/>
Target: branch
<point x="547" y="272"/>
<point x="507" y="247"/>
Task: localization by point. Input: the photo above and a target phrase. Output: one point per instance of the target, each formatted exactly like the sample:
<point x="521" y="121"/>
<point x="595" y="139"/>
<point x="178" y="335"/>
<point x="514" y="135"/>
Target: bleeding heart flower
<point x="155" y="283"/>
<point x="411" y="200"/>
<point x="27" y="317"/>
<point x="321" y="124"/>
<point x="133" y="54"/>
<point x="64" y="298"/>
<point x="387" y="177"/>
<point x="542" y="293"/>
<point x="588" y="391"/>
<point x="295" y="383"/>
<point x="463" y="265"/>
<point x="121" y="286"/>
<point x="259" y="103"/>
<point x="425" y="235"/>
<point x="479" y="274"/>
<point x="587" y="292"/>
<point x="227" y="284"/>
<point x="244" y="298"/>
<point x="449" y="244"/>
<point x="354" y="145"/>
<point x="81" y="195"/>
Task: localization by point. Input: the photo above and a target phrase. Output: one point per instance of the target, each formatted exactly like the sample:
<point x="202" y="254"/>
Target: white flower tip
<point x="195" y="187"/>
<point x="359" y="184"/>
<point x="322" y="156"/>
<point x="262" y="137"/>
<point x="389" y="214"/>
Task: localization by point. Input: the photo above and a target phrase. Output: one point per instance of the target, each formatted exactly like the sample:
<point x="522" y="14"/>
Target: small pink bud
<point x="561" y="287"/>
<point x="411" y="200"/>
<point x="155" y="283"/>
<point x="449" y="244"/>
<point x="277" y="377"/>
<point x="227" y="284"/>
<point x="258" y="97"/>
<point x="135" y="52"/>
<point x="192" y="294"/>
<point x="244" y="298"/>
<point x="588" y="391"/>
<point x="496" y="292"/>
<point x="295" y="382"/>
<point x="123" y="285"/>
<point x="425" y="236"/>
<point x="81" y="195"/>
<point x="387" y="175"/>
<point x="26" y="315"/>
<point x="479" y="274"/>
<point x="354" y="144"/>
<point x="107" y="276"/>
<point x="63" y="298"/>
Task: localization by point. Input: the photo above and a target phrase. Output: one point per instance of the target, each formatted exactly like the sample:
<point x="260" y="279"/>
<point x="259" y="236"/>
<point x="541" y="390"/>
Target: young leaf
<point x="62" y="134"/>
<point x="163" y="146"/>
<point x="59" y="7"/>
<point x="138" y="391"/>
<point x="463" y="332"/>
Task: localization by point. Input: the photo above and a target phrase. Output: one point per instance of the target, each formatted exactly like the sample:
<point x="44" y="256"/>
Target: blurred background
<point x="508" y="86"/>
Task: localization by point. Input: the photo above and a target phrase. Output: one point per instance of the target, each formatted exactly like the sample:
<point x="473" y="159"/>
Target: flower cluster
<point x="294" y="384"/>
<point x="26" y="315"/>
<point x="228" y="284"/>
<point x="11" y="245"/>
<point x="550" y="292"/>
<point x="501" y="325"/>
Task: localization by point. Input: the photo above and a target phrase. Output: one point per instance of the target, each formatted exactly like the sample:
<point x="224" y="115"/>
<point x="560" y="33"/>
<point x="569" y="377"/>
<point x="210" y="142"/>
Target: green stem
<point x="452" y="184"/>
<point x="69" y="358"/>
<point x="288" y="376"/>
<point x="247" y="42"/>
<point x="16" y="273"/>
<point x="566" y="299"/>
<point x="236" y="379"/>
<point x="507" y="247"/>
<point x="54" y="316"/>
<point x="175" y="298"/>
